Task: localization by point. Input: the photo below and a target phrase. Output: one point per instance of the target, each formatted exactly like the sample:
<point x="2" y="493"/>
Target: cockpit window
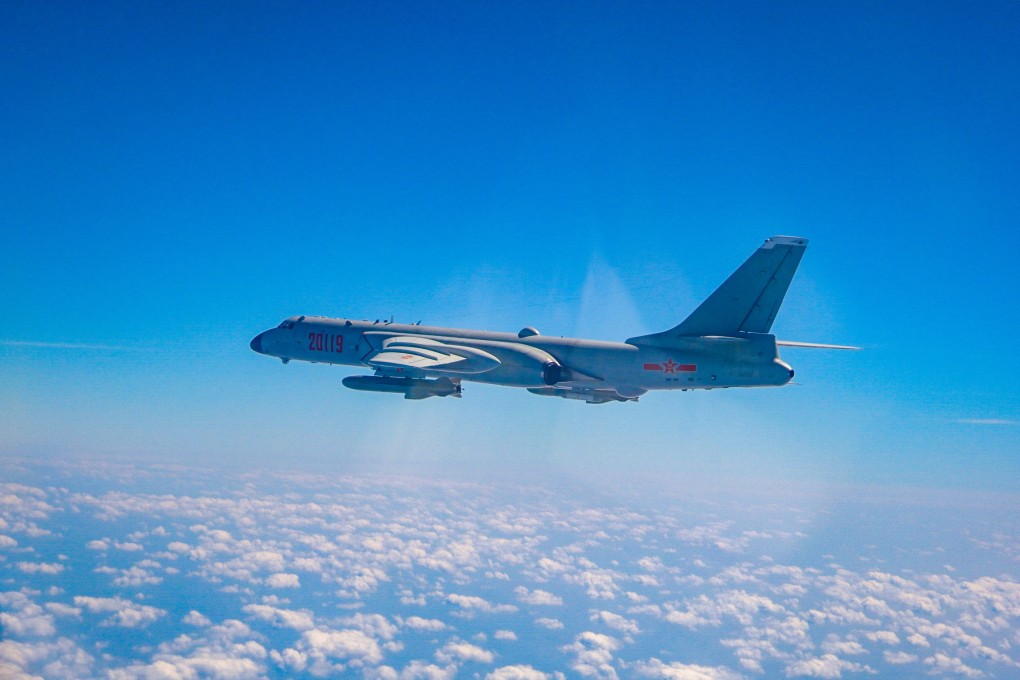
<point x="287" y="324"/>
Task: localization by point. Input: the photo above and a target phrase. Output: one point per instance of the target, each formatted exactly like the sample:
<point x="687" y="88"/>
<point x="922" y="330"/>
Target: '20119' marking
<point x="325" y="342"/>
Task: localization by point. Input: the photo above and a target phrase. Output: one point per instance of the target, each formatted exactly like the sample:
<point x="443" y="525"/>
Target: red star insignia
<point x="669" y="366"/>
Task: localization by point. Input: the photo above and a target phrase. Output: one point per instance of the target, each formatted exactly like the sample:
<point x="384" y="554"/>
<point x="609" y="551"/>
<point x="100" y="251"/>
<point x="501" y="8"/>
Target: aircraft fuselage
<point x="693" y="363"/>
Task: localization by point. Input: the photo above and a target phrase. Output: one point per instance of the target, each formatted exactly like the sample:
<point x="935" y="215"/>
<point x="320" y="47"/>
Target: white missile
<point x="411" y="388"/>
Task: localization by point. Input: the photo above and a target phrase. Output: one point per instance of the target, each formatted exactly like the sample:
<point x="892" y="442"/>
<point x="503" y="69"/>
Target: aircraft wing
<point x="415" y="354"/>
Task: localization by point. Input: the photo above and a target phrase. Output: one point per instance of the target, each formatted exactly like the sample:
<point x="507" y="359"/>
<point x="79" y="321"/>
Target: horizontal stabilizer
<point x="813" y="345"/>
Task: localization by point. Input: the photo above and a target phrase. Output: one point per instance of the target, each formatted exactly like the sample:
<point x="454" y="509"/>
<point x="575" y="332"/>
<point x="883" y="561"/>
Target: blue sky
<point x="176" y="178"/>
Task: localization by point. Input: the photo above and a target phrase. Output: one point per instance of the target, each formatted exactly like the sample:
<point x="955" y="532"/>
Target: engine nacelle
<point x="554" y="372"/>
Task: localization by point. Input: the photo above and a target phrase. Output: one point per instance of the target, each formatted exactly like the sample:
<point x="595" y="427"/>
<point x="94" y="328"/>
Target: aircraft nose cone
<point x="256" y="343"/>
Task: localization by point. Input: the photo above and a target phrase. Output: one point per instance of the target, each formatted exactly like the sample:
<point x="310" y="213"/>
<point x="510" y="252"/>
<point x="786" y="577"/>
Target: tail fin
<point x="748" y="301"/>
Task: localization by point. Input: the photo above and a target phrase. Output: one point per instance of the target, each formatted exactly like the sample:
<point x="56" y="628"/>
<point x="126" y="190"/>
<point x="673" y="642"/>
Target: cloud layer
<point x="134" y="572"/>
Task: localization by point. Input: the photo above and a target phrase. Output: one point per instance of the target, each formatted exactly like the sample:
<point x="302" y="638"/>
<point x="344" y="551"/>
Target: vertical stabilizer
<point x="748" y="301"/>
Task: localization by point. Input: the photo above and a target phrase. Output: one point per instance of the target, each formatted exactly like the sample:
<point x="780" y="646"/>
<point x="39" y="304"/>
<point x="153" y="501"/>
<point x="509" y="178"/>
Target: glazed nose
<point x="256" y="343"/>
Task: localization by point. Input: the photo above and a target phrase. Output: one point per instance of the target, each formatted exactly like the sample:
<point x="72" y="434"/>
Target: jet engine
<point x="553" y="372"/>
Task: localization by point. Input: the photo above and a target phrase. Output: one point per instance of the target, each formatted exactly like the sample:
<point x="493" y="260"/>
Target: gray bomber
<point x="725" y="342"/>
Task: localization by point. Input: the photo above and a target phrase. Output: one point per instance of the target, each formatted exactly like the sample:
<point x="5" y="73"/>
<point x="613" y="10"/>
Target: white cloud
<point x="422" y="670"/>
<point x="598" y="583"/>
<point x="537" y="597"/>
<point x="136" y="576"/>
<point x="737" y="604"/>
<point x="714" y="534"/>
<point x="263" y="560"/>
<point x="505" y="635"/>
<point x="517" y="672"/>
<point x="458" y="650"/>
<point x="28" y="618"/>
<point x="128" y="546"/>
<point x="886" y="636"/>
<point x="654" y="668"/>
<point x="282" y="618"/>
<point x="375" y="625"/>
<point x="418" y="623"/>
<point x="195" y="618"/>
<point x="833" y="645"/>
<point x="40" y="568"/>
<point x="27" y="624"/>
<point x="645" y="580"/>
<point x="290" y="659"/>
<point x="943" y="664"/>
<point x="60" y="609"/>
<point x="196" y="666"/>
<point x="342" y="644"/>
<point x="364" y="580"/>
<point x="898" y="657"/>
<point x="126" y="614"/>
<point x="651" y="563"/>
<point x="224" y="651"/>
<point x="551" y="624"/>
<point x="825" y="666"/>
<point x="550" y="567"/>
<point x="283" y="580"/>
<point x="7" y="542"/>
<point x="593" y="655"/>
<point x="61" y="659"/>
<point x="617" y="622"/>
<point x="918" y="640"/>
<point x="473" y="602"/>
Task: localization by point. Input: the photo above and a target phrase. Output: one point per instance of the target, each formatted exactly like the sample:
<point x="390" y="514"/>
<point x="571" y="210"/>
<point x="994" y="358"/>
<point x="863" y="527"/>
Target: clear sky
<point x="175" y="178"/>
